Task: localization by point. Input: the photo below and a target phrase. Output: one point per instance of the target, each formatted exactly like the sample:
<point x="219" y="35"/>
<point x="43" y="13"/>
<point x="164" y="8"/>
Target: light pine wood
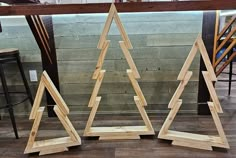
<point x="114" y="15"/>
<point x="136" y="87"/>
<point x="106" y="27"/>
<point x="55" y="94"/>
<point x="186" y="139"/>
<point x="34" y="130"/>
<point x="122" y="31"/>
<point x="55" y="143"/>
<point x="52" y="145"/>
<point x="216" y="36"/>
<point x="212" y="91"/>
<point x="180" y="89"/>
<point x="143" y="113"/>
<point x="232" y="32"/>
<point x="206" y="59"/>
<point x="198" y="45"/>
<point x="52" y="151"/>
<point x="192" y="144"/>
<point x="197" y="138"/>
<point x="67" y="124"/>
<point x="119" y="137"/>
<point x="38" y="99"/>
<point x="229" y="48"/>
<point x="101" y="60"/>
<point x="96" y="88"/>
<point x="129" y="59"/>
<point x="47" y="83"/>
<point x="232" y="20"/>
<point x="185" y="136"/>
<point x="169" y="119"/>
<point x="92" y="115"/>
<point x="188" y="61"/>
<point x="218" y="123"/>
<point x="219" y="43"/>
<point x="120" y="132"/>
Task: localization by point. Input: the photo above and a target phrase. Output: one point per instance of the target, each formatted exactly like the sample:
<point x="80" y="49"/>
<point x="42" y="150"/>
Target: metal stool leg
<point x="24" y="79"/>
<point x="8" y="100"/>
<point x="230" y="73"/>
<point x="11" y="112"/>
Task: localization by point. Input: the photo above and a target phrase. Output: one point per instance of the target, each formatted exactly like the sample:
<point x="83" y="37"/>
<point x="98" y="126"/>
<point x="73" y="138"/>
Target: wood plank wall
<point x="161" y="43"/>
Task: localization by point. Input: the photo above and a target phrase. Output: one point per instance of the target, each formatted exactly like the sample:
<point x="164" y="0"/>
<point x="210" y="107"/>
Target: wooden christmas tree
<point x="121" y="132"/>
<point x="189" y="139"/>
<point x="52" y="145"/>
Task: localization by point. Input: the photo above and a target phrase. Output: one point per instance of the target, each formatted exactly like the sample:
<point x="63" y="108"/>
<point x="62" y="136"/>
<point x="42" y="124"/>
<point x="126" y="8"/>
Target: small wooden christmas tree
<point x="121" y="132"/>
<point x="189" y="139"/>
<point x="52" y="145"/>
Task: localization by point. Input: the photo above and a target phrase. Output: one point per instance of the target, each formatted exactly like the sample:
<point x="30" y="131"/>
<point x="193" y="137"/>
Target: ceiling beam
<point x="41" y="9"/>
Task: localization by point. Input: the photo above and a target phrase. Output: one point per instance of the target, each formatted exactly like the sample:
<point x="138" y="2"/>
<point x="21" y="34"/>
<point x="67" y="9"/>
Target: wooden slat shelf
<point x="121" y="7"/>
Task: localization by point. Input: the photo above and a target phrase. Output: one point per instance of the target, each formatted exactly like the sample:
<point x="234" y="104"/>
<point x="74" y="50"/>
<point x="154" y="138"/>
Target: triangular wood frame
<point x="52" y="145"/>
<point x="125" y="45"/>
<point x="189" y="139"/>
<point x="121" y="132"/>
<point x="114" y="15"/>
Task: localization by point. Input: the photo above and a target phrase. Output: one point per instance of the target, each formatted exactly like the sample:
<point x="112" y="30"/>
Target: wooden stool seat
<point x="7" y="56"/>
<point x="9" y="51"/>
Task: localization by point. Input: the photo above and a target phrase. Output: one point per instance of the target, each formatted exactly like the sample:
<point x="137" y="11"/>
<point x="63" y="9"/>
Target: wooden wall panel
<point x="160" y="49"/>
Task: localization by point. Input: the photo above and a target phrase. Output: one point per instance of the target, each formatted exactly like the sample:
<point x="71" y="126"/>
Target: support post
<point x="51" y="68"/>
<point x="208" y="31"/>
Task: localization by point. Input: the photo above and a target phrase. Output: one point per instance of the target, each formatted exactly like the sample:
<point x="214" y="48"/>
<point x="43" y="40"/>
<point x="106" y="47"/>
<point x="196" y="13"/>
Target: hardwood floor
<point x="148" y="147"/>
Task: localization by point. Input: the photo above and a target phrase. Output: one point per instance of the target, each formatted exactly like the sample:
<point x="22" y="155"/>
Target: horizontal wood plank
<point x="121" y="7"/>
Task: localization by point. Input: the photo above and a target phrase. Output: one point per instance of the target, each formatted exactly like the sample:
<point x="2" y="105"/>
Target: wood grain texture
<point x="61" y="110"/>
<point x="193" y="140"/>
<point x="160" y="48"/>
<point x="96" y="88"/>
<point x="136" y="87"/>
<point x="180" y="89"/>
<point x="101" y="59"/>
<point x="121" y="7"/>
<point x="12" y="148"/>
<point x="198" y="45"/>
<point x="113" y="15"/>
<point x="228" y="43"/>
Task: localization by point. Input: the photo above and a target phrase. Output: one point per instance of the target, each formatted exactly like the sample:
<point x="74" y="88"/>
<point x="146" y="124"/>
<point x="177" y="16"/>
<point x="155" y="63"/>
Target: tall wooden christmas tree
<point x="52" y="145"/>
<point x="121" y="132"/>
<point x="189" y="139"/>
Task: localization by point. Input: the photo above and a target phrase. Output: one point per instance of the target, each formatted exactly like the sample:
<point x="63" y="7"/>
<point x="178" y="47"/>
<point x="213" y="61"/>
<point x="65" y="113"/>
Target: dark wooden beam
<point x="49" y="64"/>
<point x="51" y="68"/>
<point x="121" y="7"/>
<point x="208" y="31"/>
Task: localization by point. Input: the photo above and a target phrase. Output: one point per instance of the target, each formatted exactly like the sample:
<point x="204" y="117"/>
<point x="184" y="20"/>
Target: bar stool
<point x="6" y="56"/>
